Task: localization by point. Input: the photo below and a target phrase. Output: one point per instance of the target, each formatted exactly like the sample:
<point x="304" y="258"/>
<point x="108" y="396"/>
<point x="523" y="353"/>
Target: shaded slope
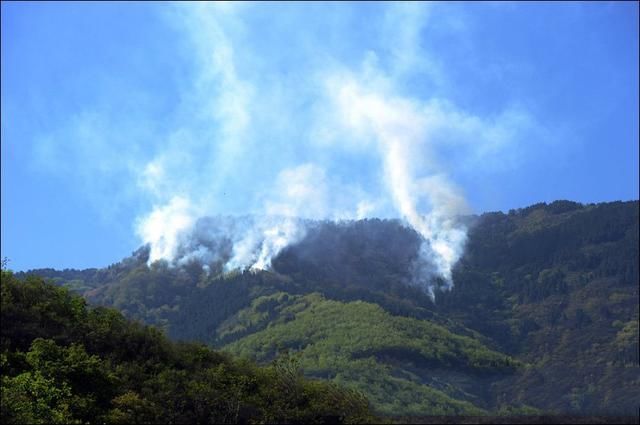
<point x="557" y="286"/>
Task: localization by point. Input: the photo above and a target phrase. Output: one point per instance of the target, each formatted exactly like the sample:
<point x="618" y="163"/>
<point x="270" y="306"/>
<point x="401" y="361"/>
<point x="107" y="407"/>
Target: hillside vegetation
<point x="359" y="345"/>
<point x="543" y="315"/>
<point x="63" y="362"/>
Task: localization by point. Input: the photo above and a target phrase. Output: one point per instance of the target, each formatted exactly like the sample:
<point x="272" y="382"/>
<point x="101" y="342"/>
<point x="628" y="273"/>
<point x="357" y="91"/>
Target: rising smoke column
<point x="399" y="130"/>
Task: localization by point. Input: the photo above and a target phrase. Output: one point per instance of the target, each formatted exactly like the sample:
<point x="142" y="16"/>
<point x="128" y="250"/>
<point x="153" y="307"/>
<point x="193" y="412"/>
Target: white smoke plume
<point x="264" y="150"/>
<point x="165" y="226"/>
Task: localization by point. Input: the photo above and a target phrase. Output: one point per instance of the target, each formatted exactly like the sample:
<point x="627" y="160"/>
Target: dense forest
<point x="542" y="317"/>
<point x="63" y="362"/>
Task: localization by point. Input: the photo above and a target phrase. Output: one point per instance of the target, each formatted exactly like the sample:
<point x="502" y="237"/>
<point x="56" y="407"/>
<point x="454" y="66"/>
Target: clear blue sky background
<point x="94" y="93"/>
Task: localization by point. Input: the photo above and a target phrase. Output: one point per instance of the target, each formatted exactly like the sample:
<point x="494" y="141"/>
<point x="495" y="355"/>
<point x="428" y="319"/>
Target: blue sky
<point x="122" y="120"/>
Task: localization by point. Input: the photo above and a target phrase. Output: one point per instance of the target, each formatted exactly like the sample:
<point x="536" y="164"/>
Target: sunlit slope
<point x="404" y="365"/>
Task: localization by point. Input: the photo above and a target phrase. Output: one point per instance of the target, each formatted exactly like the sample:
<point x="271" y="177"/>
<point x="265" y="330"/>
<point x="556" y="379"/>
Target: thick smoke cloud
<point x="263" y="142"/>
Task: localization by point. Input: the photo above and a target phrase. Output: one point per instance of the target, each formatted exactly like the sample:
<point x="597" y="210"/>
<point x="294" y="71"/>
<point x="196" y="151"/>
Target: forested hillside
<point x="543" y="314"/>
<point x="63" y="362"/>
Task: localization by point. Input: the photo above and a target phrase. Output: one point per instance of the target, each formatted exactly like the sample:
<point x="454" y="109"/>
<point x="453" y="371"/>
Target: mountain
<point x="542" y="317"/>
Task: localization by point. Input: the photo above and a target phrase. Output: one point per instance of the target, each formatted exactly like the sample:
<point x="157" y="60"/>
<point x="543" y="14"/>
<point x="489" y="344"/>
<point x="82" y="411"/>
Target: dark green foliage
<point x="65" y="363"/>
<point x="557" y="286"/>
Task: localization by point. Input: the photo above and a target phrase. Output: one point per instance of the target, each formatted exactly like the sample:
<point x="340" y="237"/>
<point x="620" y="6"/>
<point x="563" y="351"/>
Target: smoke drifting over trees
<point x="333" y="139"/>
